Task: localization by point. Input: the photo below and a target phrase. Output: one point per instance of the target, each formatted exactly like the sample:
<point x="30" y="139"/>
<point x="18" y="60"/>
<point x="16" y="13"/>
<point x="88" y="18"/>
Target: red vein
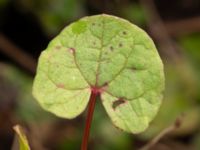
<point x="100" y="54"/>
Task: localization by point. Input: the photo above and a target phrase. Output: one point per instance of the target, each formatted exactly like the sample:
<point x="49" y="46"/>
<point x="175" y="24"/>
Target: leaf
<point x="23" y="142"/>
<point x="103" y="53"/>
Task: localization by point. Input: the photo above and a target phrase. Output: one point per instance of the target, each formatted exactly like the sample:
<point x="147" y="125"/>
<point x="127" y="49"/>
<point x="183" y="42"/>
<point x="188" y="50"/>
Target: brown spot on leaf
<point x="133" y="68"/>
<point x="118" y="102"/>
<point x="60" y="85"/>
<point x="111" y="48"/>
<point x="93" y="24"/>
<point x="120" y="44"/>
<point x="58" y="47"/>
<point x="72" y="50"/>
<point x="124" y="33"/>
<point x="105" y="84"/>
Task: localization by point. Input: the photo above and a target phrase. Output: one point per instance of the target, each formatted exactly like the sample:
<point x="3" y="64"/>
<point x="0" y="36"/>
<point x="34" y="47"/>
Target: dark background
<point x="27" y="26"/>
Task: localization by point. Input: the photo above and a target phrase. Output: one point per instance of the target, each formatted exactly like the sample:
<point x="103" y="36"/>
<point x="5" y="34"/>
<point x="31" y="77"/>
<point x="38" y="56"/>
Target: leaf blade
<point x="111" y="55"/>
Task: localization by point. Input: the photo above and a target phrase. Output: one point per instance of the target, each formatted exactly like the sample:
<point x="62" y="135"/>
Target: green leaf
<point x="23" y="142"/>
<point x="108" y="54"/>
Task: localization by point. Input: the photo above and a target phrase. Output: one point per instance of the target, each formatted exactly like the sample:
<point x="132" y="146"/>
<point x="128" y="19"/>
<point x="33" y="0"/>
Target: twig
<point x="166" y="131"/>
<point x="17" y="54"/>
<point x="182" y="27"/>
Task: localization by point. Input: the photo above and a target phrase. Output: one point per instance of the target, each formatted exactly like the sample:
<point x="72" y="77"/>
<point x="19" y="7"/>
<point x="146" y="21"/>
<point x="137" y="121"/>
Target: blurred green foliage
<point x="191" y="45"/>
<point x="53" y="14"/>
<point x="27" y="109"/>
<point x="135" y="13"/>
<point x="3" y="3"/>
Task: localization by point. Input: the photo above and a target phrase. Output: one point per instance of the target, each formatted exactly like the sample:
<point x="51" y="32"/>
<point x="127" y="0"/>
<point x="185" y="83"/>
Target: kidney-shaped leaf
<point x="111" y="55"/>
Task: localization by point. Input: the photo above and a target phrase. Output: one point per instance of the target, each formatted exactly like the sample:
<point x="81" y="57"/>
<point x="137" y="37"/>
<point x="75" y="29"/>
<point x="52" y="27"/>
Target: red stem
<point x="91" y="107"/>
